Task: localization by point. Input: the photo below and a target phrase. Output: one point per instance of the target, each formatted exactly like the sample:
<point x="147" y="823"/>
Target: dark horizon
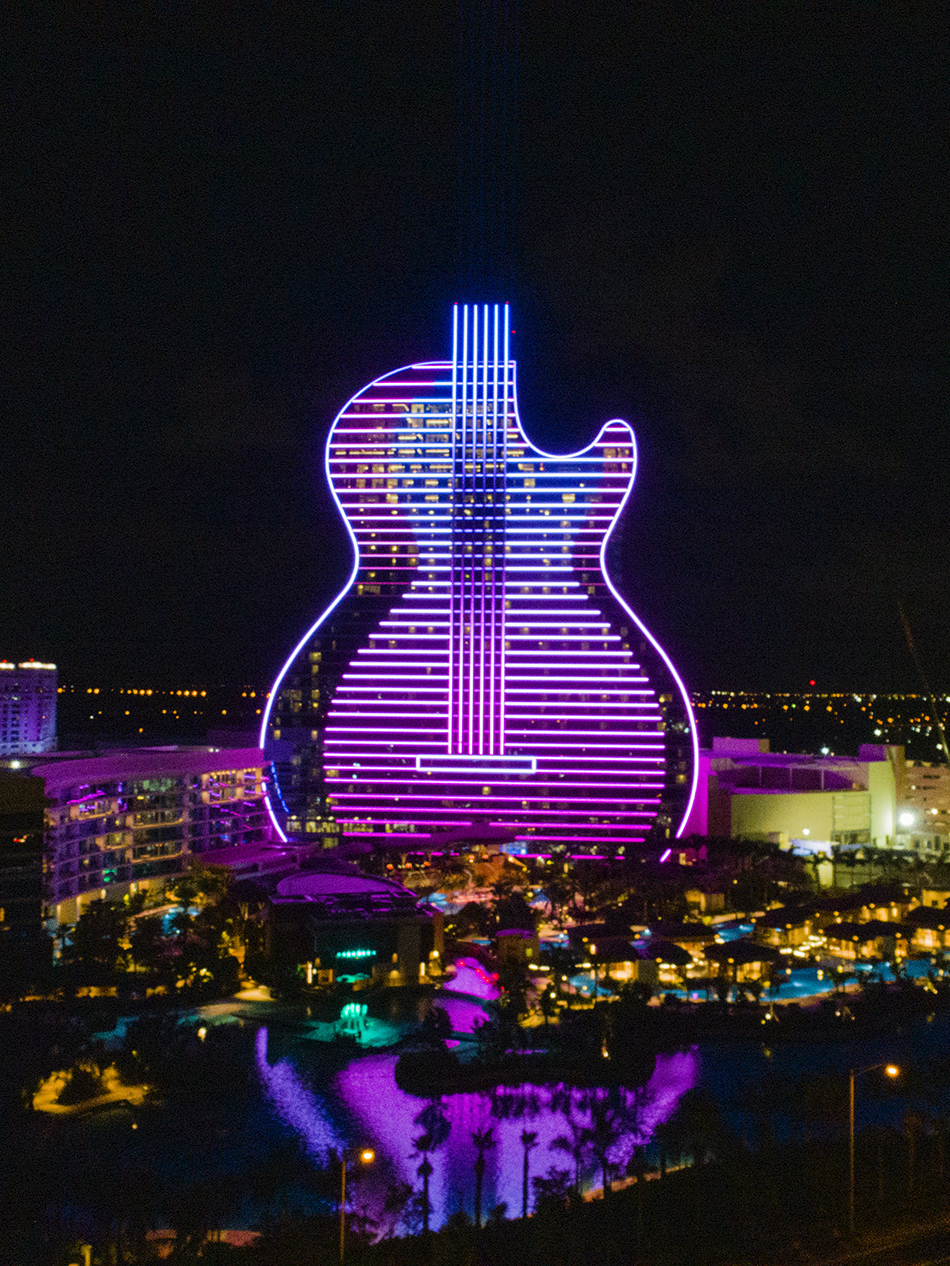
<point x="725" y="232"/>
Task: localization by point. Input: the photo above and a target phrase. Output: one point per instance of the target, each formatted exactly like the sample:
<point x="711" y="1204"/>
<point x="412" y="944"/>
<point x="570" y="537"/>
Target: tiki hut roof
<point x="666" y="952"/>
<point x="883" y="894"/>
<point x="933" y="917"/>
<point x="870" y="930"/>
<point x="785" y="917"/>
<point x="581" y="933"/>
<point x="679" y="932"/>
<point x="853" y="900"/>
<point x="740" y="952"/>
<point x="612" y="949"/>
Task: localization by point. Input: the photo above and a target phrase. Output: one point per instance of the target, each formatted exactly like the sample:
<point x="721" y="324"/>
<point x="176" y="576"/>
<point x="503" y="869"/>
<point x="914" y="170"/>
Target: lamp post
<point x="366" y="1156"/>
<point x="892" y="1071"/>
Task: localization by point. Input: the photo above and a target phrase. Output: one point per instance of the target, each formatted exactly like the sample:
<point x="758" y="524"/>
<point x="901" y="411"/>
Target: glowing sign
<point x="480" y="667"/>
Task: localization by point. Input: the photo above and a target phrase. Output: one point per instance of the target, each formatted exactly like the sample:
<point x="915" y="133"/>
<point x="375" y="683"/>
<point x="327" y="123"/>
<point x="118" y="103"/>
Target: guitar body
<point x="479" y="674"/>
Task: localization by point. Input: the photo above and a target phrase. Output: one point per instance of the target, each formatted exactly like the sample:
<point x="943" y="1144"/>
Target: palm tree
<point x="529" y="1141"/>
<point x="548" y="1003"/>
<point x="562" y="965"/>
<point x="605" y="1131"/>
<point x="575" y="1144"/>
<point x="697" y="1123"/>
<point x="425" y="1173"/>
<point x="484" y="1140"/>
<point x="436" y="1128"/>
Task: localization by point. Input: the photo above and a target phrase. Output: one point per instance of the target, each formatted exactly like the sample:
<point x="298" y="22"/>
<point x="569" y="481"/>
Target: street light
<point x="366" y="1156"/>
<point x="892" y="1071"/>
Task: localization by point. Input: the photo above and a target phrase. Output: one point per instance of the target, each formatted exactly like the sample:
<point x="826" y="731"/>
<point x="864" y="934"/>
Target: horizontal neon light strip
<point x="351" y="799"/>
<point x="510" y="689"/>
<point x="399" y="689"/>
<point x="620" y="657"/>
<point x="513" y="718"/>
<point x="348" y="800"/>
<point x="531" y="792"/>
<point x="404" y="677"/>
<point x="363" y="766"/>
<point x="477" y="765"/>
<point x="579" y="748"/>
<point x="552" y="685"/>
<point x="558" y="624"/>
<point x="435" y="739"/>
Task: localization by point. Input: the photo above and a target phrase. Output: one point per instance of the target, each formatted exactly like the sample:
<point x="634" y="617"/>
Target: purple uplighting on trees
<point x="471" y="978"/>
<point x="387" y="1115"/>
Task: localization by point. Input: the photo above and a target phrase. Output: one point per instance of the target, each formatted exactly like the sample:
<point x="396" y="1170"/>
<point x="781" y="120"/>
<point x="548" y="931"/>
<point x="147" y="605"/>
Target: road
<point x="922" y="1245"/>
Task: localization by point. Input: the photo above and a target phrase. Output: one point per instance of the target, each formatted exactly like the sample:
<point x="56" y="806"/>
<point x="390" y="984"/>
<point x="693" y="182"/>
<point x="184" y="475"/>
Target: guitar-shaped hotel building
<point x="479" y="668"/>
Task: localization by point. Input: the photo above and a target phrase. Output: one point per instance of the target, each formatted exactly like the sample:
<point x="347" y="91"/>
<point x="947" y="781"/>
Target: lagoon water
<point x="362" y="1106"/>
<point x="325" y="1097"/>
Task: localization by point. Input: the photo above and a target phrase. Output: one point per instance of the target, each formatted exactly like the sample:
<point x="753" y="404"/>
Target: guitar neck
<point x="482" y="410"/>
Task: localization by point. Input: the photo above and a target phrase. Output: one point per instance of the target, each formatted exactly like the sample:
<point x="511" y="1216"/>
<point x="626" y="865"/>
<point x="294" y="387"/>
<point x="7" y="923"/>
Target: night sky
<point x="220" y="222"/>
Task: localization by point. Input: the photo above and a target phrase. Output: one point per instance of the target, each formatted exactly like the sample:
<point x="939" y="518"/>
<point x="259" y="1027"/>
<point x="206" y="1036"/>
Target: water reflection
<point x="573" y="1126"/>
<point x="295" y="1103"/>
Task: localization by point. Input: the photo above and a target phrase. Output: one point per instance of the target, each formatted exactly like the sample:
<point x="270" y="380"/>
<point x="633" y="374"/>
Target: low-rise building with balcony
<point x="132" y="820"/>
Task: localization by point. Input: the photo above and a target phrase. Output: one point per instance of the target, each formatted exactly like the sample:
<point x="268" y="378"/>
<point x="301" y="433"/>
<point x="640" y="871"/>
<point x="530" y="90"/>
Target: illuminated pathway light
<point x="479" y="664"/>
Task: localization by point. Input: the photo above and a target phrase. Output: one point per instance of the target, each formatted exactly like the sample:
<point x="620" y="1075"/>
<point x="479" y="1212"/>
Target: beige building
<point x="746" y="791"/>
<point x="923" y="807"/>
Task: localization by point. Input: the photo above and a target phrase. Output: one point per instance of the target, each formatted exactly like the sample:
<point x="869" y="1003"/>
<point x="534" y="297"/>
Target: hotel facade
<point x="27" y="708"/>
<point x="131" y="821"/>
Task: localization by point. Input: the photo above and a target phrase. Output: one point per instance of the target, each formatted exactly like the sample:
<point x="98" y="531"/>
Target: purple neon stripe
<point x="525" y="733"/>
<point x="483" y="596"/>
<point x="497" y="558"/>
<point x="466" y="788"/>
<point x="584" y="745"/>
<point x="353" y="801"/>
<point x="471" y="570"/>
<point x="451" y="658"/>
